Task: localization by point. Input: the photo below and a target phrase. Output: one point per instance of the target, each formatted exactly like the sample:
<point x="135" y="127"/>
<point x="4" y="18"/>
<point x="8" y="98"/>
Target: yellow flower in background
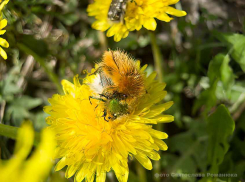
<point x="37" y="166"/>
<point x="3" y="24"/>
<point x="138" y="14"/>
<point x="91" y="146"/>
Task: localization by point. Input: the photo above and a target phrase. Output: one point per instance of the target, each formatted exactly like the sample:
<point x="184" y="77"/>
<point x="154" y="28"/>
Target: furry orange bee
<point x="121" y="83"/>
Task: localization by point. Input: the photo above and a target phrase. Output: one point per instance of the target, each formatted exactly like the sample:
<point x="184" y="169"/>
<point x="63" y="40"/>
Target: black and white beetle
<point x="117" y="10"/>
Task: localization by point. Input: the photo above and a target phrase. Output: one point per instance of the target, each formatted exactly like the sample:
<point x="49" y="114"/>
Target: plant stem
<point x="141" y="172"/>
<point x="159" y="67"/>
<point x="103" y="40"/>
<point x="11" y="132"/>
<point x="158" y="60"/>
<point x="8" y="131"/>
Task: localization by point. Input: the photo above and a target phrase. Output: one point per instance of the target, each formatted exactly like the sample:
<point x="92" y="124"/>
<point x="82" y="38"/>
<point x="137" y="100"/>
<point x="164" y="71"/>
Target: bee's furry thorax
<point x="120" y="73"/>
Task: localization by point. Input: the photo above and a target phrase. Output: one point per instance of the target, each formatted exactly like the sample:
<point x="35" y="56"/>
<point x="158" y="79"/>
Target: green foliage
<point x="191" y="145"/>
<point x="235" y="42"/>
<point x="8" y="86"/>
<point x="19" y="108"/>
<point x="207" y="98"/>
<point x="219" y="69"/>
<point x="220" y="127"/>
<point x="31" y="43"/>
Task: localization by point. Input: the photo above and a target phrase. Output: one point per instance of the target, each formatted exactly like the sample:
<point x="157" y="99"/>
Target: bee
<point x="121" y="84"/>
<point x="117" y="10"/>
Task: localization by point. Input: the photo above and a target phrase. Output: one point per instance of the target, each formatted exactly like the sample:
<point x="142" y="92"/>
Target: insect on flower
<point x="89" y="146"/>
<point x="117" y="10"/>
<point x="121" y="84"/>
<point x="120" y="17"/>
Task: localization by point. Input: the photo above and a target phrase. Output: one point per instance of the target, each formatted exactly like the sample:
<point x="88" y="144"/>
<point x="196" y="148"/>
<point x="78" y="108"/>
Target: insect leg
<point x="104" y="96"/>
<point x="104" y="115"/>
<point x="91" y="97"/>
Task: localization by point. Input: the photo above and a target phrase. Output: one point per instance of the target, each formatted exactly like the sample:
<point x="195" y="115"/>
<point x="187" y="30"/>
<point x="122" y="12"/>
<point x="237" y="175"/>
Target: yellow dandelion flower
<point x="38" y="166"/>
<point x="91" y="146"/>
<point x="138" y="14"/>
<point x="3" y="24"/>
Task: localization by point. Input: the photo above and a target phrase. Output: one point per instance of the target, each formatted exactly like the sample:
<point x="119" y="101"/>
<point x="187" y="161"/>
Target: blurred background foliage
<point x="203" y="57"/>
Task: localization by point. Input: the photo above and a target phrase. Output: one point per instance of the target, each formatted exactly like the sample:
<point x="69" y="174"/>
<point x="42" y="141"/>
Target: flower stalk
<point x="11" y="132"/>
<point x="141" y="172"/>
<point x="158" y="60"/>
<point x="159" y="67"/>
<point x="103" y="41"/>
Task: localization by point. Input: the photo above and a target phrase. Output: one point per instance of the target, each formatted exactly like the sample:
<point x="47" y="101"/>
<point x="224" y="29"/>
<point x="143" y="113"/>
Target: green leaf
<point x="207" y="98"/>
<point x="236" y="42"/>
<point x="220" y="127"/>
<point x="39" y="121"/>
<point x="226" y="73"/>
<point x="219" y="69"/>
<point x="27" y="102"/>
<point x="69" y="18"/>
<point x="190" y="145"/>
<point x="19" y="108"/>
<point x="239" y="170"/>
<point x="214" y="67"/>
<point x="8" y="86"/>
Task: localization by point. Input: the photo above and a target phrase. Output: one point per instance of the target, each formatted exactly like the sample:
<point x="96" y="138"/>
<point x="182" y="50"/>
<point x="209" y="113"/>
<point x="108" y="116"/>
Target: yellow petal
<point x="170" y="2"/>
<point x="164" y="118"/>
<point x="3" y="23"/>
<point x="161" y="144"/>
<point x="68" y="87"/>
<point x="112" y="31"/>
<point x="3" y="53"/>
<point x="40" y="162"/>
<point x="71" y="171"/>
<point x="4" y="43"/>
<point x="117" y="37"/>
<point x="80" y="175"/>
<point x="158" y="134"/>
<point x="2" y="32"/>
<point x="61" y="164"/>
<point x="121" y="173"/>
<point x="101" y="25"/>
<point x="153" y="155"/>
<point x="144" y="160"/>
<point x="25" y="140"/>
<point x="175" y="12"/>
<point x="164" y="17"/>
<point x="101" y="177"/>
<point x="150" y="24"/>
<point x="158" y="109"/>
<point x="3" y="4"/>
